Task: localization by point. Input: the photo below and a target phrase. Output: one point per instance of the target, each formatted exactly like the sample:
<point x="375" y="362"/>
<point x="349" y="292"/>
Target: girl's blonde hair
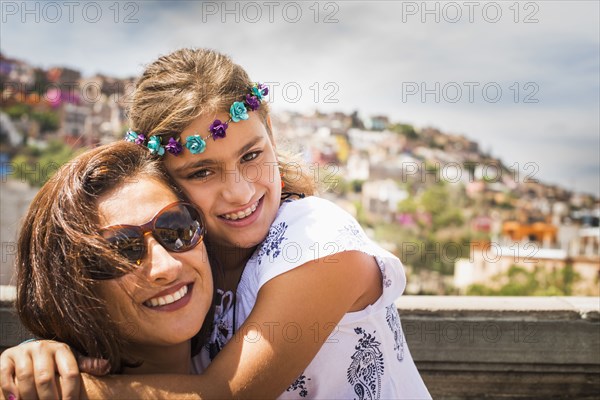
<point x="180" y="87"/>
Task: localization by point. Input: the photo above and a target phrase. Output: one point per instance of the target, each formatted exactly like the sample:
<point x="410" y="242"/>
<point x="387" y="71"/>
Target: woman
<point x="111" y="262"/>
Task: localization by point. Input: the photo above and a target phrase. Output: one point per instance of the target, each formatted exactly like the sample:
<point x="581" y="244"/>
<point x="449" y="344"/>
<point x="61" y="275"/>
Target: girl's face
<point x="235" y="181"/>
<point x="182" y="282"/>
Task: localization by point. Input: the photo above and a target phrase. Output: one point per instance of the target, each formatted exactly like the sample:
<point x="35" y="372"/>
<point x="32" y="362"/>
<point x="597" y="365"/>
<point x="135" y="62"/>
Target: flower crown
<point x="197" y="144"/>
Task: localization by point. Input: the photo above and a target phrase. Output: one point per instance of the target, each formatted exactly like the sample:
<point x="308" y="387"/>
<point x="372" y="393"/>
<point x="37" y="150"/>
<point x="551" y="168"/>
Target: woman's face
<point x="235" y="181"/>
<point x="162" y="276"/>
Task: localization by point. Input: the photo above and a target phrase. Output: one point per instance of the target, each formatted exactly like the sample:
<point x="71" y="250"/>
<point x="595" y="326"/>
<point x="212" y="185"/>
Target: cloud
<point x="366" y="57"/>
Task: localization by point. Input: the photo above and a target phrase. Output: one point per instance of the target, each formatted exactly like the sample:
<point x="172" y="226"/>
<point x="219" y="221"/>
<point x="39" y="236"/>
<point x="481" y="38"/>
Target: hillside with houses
<point x="462" y="221"/>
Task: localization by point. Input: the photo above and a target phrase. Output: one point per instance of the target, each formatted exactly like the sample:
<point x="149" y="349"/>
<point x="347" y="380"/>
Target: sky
<point x="520" y="78"/>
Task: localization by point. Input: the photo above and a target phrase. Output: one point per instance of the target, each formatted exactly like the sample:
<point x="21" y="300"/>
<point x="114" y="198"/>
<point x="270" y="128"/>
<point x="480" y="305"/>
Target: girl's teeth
<point x="168" y="299"/>
<point x="241" y="214"/>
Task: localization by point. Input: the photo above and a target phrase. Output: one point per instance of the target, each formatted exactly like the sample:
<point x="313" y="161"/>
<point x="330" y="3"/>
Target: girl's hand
<point x="29" y="371"/>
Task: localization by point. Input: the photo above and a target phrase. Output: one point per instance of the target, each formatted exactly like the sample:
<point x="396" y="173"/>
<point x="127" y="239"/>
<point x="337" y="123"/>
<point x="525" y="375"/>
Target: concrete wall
<point x="470" y="347"/>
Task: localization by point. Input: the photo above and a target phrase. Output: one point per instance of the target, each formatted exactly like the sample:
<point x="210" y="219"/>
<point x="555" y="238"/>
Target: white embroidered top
<point x="365" y="356"/>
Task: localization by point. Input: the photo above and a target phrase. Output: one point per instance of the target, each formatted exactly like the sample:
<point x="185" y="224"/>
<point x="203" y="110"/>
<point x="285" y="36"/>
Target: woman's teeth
<point x="241" y="214"/>
<point x="168" y="299"/>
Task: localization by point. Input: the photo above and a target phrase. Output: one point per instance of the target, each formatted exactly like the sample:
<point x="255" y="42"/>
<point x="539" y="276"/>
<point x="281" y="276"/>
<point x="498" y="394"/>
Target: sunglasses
<point x="178" y="228"/>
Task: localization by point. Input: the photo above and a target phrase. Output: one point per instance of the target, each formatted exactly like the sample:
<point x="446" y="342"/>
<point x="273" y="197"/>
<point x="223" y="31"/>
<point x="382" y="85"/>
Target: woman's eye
<point x="250" y="156"/>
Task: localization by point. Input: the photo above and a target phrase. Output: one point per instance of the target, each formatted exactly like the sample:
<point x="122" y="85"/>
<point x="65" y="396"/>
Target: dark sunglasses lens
<point x="129" y="242"/>
<point x="179" y="228"/>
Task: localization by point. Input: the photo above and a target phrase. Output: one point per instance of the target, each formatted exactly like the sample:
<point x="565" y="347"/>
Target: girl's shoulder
<point x="316" y="220"/>
<point x="309" y="229"/>
<point x="313" y="210"/>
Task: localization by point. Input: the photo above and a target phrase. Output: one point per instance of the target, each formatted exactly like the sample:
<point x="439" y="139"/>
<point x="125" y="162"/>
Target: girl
<point x="305" y="299"/>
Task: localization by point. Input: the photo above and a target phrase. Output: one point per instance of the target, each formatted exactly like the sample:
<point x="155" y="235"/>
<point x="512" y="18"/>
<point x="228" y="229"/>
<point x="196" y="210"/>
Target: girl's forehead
<point x="201" y="126"/>
<point x="240" y="137"/>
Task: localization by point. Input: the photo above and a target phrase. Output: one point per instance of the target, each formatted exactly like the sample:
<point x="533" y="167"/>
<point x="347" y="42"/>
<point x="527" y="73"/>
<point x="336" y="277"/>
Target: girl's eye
<point x="200" y="174"/>
<point x="250" y="156"/>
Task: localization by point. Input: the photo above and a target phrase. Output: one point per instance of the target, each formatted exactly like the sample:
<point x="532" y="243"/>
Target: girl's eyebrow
<point x="249" y="145"/>
<point x="205" y="162"/>
<point x="194" y="164"/>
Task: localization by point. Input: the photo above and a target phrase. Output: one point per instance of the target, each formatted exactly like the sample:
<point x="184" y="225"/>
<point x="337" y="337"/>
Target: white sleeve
<point x="312" y="228"/>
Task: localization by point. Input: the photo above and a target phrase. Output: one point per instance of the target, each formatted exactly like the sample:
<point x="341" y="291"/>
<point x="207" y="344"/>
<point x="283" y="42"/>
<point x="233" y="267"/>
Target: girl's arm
<point x="294" y="314"/>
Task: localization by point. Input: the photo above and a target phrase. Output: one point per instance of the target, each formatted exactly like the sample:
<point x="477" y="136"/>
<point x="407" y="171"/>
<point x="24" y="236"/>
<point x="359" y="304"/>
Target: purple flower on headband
<point x="252" y="102"/>
<point x="174" y="147"/>
<point x="140" y="139"/>
<point x="195" y="144"/>
<point x="155" y="146"/>
<point x="217" y="129"/>
<point x="238" y="111"/>
<point x="264" y="89"/>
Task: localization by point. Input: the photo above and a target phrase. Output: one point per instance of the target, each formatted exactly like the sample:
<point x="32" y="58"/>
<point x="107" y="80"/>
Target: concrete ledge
<point x="479" y="347"/>
<point x="505" y="347"/>
<point x="11" y="330"/>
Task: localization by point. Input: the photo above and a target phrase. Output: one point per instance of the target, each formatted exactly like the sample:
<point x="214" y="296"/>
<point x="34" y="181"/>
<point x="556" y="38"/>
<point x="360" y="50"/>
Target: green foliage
<point x="408" y="206"/>
<point x="422" y="251"/>
<point x="16" y="111"/>
<point x="518" y="281"/>
<point x="405" y="129"/>
<point x="49" y="121"/>
<point x="36" y="166"/>
<point x="356" y="185"/>
<point x="41" y="81"/>
<point x="436" y="200"/>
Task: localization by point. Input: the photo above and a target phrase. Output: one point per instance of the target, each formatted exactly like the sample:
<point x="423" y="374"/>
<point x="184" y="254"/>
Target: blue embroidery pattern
<point x="270" y="246"/>
<point x="393" y="320"/>
<point x="300" y="383"/>
<point x="366" y="369"/>
<point x="222" y="327"/>
<point x="387" y="282"/>
<point x="351" y="237"/>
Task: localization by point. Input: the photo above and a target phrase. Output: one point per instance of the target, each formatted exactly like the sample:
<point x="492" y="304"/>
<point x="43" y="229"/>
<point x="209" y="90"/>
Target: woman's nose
<point x="162" y="266"/>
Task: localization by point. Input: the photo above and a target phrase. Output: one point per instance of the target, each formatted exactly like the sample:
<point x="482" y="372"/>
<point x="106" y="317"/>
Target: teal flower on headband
<point x="238" y="111"/>
<point x="131" y="136"/>
<point x="155" y="146"/>
<point x="257" y="92"/>
<point x="195" y="144"/>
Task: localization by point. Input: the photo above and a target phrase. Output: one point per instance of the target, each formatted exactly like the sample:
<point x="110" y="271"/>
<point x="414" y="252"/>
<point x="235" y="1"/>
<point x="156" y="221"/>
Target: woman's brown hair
<point x="59" y="248"/>
<point x="179" y="87"/>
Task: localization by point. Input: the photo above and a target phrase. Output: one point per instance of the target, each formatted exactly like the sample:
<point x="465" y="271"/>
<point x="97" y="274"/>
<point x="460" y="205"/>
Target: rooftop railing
<point x="469" y="347"/>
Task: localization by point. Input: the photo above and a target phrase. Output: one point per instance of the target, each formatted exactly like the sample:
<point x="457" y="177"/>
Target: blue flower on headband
<point x="257" y="92"/>
<point x="131" y="136"/>
<point x="155" y="146"/>
<point x="238" y="111"/>
<point x="195" y="144"/>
